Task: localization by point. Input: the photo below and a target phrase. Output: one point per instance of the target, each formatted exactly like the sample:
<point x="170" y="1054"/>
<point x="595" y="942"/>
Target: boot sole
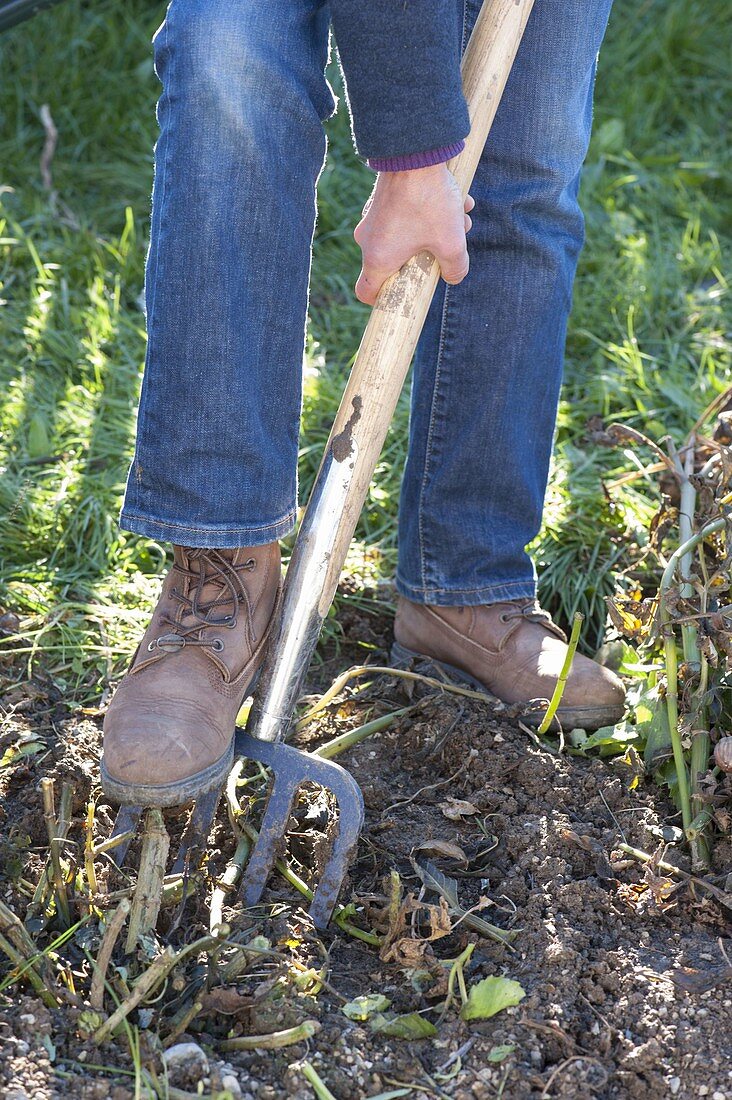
<point x="587" y="718"/>
<point x="164" y="795"/>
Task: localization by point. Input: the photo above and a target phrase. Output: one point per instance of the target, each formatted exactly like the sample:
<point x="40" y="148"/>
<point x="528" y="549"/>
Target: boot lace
<point x="220" y="609"/>
<point x="533" y="613"/>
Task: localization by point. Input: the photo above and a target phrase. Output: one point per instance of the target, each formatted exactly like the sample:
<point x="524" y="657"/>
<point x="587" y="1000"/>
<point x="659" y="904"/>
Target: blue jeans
<point x="240" y="150"/>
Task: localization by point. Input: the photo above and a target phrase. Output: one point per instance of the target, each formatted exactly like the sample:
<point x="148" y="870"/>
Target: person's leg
<point x="489" y="363"/>
<point x="215" y="469"/>
<point x="240" y="149"/>
<point x="486" y="384"/>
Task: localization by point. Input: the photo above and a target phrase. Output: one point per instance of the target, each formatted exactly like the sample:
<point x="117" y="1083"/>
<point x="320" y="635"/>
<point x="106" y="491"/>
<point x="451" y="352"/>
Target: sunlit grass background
<point x="649" y="340"/>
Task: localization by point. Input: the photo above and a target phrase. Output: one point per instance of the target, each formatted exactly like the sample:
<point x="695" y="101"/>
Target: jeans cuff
<point x="210" y="538"/>
<point x="468" y="597"/>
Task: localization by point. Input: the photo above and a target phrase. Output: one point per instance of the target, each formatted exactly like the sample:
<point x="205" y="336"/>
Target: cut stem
<point x="671" y="660"/>
<point x="277" y="1039"/>
<point x="54" y="840"/>
<point x="346" y="740"/>
<point x="148" y="894"/>
<point x="109" y="939"/>
<point x="563" y="675"/>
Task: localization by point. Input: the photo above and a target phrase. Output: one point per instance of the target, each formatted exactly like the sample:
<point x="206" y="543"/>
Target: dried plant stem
<point x="109" y="939"/>
<point x="384" y="670"/>
<point x="723" y="897"/>
<point x="144" y="985"/>
<point x="148" y="894"/>
<point x="671" y="661"/>
<point x="700" y="739"/>
<point x="91" y="875"/>
<point x="277" y="1039"/>
<point x="12" y="927"/>
<point x="563" y="675"/>
<point x="26" y="968"/>
<point x="156" y="973"/>
<point x="54" y="840"/>
<point x="227" y="881"/>
<point x="687" y="508"/>
<point x="181" y="1021"/>
<point x="112" y="842"/>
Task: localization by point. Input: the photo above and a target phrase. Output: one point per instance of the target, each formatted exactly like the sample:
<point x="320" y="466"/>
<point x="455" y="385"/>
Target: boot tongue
<point x="216" y="584"/>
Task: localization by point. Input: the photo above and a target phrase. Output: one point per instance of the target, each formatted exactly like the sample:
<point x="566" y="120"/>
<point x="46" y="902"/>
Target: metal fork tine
<point x="126" y="821"/>
<point x="196" y="831"/>
<point x="291" y="768"/>
<point x="274" y="823"/>
<point x="350" y="822"/>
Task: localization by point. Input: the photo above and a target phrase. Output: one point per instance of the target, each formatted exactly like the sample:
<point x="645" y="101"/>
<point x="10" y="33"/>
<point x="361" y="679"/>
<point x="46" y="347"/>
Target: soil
<point x="626" y="970"/>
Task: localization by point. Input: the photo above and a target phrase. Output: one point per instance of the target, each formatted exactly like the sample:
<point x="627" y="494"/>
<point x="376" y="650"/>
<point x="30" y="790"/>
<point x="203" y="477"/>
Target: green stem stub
<point x="564" y="674"/>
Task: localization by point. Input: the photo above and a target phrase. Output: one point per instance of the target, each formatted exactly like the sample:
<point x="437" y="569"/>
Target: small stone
<point x="186" y="1063"/>
<point x="28" y="1018"/>
<point x="17" y="1094"/>
<point x="674" y="1085"/>
<point x="21" y="1047"/>
<point x="232" y="1084"/>
<point x="718" y="1095"/>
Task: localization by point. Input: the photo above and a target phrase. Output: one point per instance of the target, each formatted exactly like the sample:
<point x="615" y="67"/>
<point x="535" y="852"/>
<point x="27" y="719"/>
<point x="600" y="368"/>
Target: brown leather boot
<point x="169" y="730"/>
<point x="515" y="651"/>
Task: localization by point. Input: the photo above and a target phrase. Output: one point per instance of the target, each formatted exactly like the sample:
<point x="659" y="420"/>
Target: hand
<point x="406" y="213"/>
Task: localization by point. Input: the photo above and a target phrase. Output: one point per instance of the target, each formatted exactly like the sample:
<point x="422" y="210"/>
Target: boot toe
<point x="155" y="745"/>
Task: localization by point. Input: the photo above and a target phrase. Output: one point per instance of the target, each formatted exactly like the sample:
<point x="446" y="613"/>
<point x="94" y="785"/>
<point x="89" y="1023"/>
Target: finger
<point x="468" y="223"/>
<point x="469" y="203"/>
<point x="454" y="266"/>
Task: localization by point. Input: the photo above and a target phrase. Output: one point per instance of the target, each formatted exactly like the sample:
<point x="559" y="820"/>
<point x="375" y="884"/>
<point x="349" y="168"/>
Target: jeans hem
<point x="468" y="597"/>
<point x="210" y="538"/>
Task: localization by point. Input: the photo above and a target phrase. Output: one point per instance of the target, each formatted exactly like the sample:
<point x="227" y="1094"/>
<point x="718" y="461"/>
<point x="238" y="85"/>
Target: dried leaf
<point x="447" y="888"/>
<point x="575" y="838"/>
<point x="456" y="808"/>
<point x="491" y="996"/>
<point x="408" y="952"/>
<point x="634" y="618"/>
<point x="444" y="848"/>
<point x="226" y="1001"/>
<point x="700" y="981"/>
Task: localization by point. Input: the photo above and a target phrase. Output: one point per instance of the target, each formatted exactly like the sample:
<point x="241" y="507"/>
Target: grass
<point x="648" y="343"/>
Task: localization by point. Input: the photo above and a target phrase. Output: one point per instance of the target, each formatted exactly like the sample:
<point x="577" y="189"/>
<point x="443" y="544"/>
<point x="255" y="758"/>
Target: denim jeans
<point x="241" y="146"/>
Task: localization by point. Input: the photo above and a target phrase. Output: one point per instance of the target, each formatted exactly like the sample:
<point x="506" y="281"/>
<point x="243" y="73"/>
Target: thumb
<point x="370" y="281"/>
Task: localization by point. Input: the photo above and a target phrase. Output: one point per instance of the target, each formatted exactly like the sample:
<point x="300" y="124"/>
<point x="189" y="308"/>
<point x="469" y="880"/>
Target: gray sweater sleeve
<point x="401" y="63"/>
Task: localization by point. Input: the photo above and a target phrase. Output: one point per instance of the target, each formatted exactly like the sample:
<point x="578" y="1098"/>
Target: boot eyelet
<point x="503" y="617"/>
<point x="217" y="645"/>
<point x="251" y="563"/>
<point x="151" y="646"/>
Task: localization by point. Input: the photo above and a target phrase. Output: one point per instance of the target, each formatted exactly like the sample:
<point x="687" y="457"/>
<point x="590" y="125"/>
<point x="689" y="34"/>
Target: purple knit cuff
<point x="416" y="160"/>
